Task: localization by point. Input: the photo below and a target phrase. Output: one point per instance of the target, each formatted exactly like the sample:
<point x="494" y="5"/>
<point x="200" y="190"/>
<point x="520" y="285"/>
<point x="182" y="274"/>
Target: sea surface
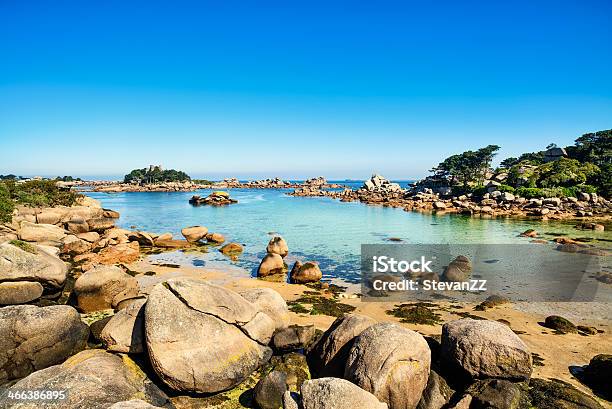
<point x="320" y="229"/>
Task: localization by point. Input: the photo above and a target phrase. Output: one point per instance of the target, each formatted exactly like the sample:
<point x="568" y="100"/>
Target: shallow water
<point x="321" y="229"/>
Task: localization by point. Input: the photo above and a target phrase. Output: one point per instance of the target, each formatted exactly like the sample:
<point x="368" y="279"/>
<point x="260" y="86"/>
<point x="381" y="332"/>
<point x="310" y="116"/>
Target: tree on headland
<point x="155" y="174"/>
<point x="467" y="167"/>
<point x="585" y="166"/>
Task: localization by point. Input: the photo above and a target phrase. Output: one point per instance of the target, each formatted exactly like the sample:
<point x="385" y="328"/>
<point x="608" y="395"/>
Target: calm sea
<point x="321" y="229"/>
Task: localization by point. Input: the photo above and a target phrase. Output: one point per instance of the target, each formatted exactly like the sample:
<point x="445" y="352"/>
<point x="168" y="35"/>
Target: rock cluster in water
<point x="380" y="191"/>
<point x="273" y="266"/>
<point x="217" y="198"/>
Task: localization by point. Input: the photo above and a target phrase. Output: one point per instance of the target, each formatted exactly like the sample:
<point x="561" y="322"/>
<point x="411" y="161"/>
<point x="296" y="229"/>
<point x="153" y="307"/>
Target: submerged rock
<point x="483" y="348"/>
<point x="194" y="234"/>
<point x="204" y="338"/>
<point x="94" y="378"/>
<point x="33" y="338"/>
<point x="216" y="238"/>
<point x="392" y="363"/>
<point x="231" y="249"/>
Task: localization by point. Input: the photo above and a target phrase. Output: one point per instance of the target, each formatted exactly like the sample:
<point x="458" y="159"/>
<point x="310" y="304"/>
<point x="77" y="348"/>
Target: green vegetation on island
<point x="585" y="167"/>
<point x="155" y="174"/>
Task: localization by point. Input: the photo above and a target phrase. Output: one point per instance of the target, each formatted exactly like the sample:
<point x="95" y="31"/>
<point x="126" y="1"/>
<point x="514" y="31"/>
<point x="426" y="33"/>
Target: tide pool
<point x="320" y="229"/>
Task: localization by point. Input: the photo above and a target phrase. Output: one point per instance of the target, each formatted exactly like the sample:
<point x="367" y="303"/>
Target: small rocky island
<point x="216" y="198"/>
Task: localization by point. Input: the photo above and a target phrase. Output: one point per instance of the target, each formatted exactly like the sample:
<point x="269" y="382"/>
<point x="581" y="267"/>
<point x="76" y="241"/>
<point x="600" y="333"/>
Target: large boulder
<point x="598" y="373"/>
<point x="28" y="262"/>
<point x="391" y="362"/>
<point x="204" y="338"/>
<point x="293" y="337"/>
<point x="104" y="287"/>
<point x="51" y="215"/>
<point x="485" y="349"/>
<point x="270" y="302"/>
<point x="77" y="225"/>
<point x="100" y="223"/>
<point x="33" y="338"/>
<point x="309" y="272"/>
<point x="555" y="394"/>
<point x="133" y="404"/>
<point x="194" y="233"/>
<point x="124" y="332"/>
<point x="216" y="238"/>
<point x="278" y="245"/>
<point x="271" y="264"/>
<point x="19" y="292"/>
<point x="120" y="253"/>
<point x="43" y="233"/>
<point x="269" y="391"/>
<point x="336" y="393"/>
<point x="143" y="238"/>
<point x="495" y="394"/>
<point x="73" y="246"/>
<point x="328" y="357"/>
<point x="459" y="269"/>
<point x="437" y="393"/>
<point x="92" y="379"/>
<point x="231" y="249"/>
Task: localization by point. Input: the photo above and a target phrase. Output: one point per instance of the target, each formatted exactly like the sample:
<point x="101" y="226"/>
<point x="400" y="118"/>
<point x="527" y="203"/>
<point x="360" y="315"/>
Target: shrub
<point x="42" y="193"/>
<point x="536" y="192"/>
<point x="35" y="193"/>
<point x="565" y="172"/>
<point x="505" y="188"/>
<point x="479" y="191"/>
<point x="575" y="190"/>
<point x="6" y="204"/>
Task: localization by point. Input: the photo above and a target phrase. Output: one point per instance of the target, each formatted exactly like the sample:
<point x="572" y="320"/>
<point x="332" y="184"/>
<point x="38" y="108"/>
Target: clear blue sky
<point x="294" y="89"/>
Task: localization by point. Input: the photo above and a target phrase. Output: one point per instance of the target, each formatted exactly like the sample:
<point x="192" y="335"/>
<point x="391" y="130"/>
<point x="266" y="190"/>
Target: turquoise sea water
<point x="321" y="229"/>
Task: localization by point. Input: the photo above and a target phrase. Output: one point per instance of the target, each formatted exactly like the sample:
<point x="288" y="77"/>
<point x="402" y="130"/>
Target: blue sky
<point x="294" y="89"/>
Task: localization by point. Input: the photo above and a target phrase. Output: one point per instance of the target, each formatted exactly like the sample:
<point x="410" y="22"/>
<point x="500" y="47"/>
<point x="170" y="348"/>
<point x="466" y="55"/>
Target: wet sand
<point x="558" y="352"/>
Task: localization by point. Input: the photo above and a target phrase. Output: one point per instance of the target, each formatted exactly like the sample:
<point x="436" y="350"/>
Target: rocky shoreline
<point x="381" y="192"/>
<point x="79" y="318"/>
<point x="189" y="186"/>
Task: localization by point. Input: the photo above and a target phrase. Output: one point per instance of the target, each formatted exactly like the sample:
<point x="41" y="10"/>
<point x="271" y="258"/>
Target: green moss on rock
<point x="560" y="324"/>
<point x="24" y="246"/>
<point x="419" y="313"/>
